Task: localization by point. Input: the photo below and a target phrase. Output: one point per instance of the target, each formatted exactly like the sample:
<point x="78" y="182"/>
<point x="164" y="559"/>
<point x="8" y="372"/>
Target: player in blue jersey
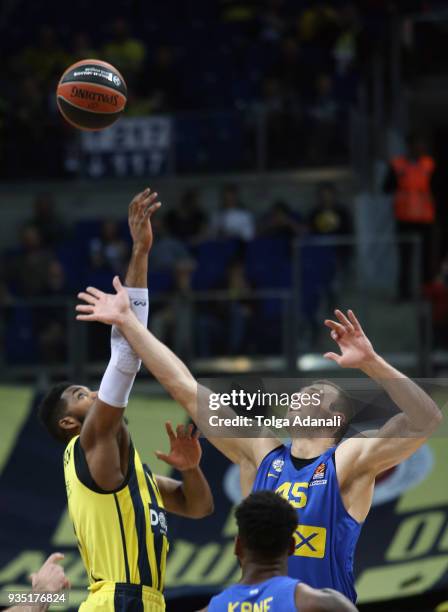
<point x="266" y="526"/>
<point x="328" y="480"/>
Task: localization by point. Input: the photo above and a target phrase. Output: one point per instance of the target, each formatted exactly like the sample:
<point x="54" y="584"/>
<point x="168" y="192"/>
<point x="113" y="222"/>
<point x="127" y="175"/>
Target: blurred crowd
<point x="232" y="253"/>
<point x="298" y="60"/>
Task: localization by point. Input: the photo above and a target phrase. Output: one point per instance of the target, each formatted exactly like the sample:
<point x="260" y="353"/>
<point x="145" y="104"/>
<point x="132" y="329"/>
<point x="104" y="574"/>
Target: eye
<point x="81" y="395"/>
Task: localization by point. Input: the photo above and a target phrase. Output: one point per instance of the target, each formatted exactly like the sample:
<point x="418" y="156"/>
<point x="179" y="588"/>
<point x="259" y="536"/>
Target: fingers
<point x="162" y="457"/>
<point x="333" y="357"/>
<point x="343" y="319"/>
<point x="117" y="284"/>
<point x="196" y="435"/>
<point x="55" y="558"/>
<point x="170" y="431"/>
<point x="180" y="431"/>
<point x="87" y="297"/>
<point x="356" y="324"/>
<point x="85" y="308"/>
<point x="334" y="326"/>
<point x="151" y="209"/>
<point x="138" y="198"/>
<point x="85" y="317"/>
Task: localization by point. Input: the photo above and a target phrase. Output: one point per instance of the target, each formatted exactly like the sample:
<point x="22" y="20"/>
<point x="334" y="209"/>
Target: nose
<point x="94" y="394"/>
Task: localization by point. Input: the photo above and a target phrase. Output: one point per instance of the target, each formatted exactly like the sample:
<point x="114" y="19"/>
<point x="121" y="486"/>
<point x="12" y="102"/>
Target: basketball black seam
<point x="116" y="91"/>
<point x="88" y="110"/>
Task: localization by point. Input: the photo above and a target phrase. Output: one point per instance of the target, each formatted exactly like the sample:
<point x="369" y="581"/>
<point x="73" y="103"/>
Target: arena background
<point x="288" y="112"/>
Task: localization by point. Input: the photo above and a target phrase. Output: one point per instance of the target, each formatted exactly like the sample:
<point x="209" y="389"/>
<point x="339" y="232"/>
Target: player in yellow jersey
<point x="115" y="502"/>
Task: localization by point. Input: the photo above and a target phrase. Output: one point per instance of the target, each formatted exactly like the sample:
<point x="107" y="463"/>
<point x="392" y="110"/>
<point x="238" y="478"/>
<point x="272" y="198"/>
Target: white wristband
<point x="124" y="364"/>
<point x="115" y="387"/>
<point x="122" y="355"/>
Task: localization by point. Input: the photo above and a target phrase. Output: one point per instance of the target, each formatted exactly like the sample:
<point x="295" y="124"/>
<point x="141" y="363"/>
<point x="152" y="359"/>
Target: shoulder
<point x="268" y="449"/>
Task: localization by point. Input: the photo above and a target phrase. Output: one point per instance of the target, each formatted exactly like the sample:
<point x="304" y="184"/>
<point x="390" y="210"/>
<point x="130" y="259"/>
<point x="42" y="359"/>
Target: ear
<point x="237" y="548"/>
<point x="68" y="423"/>
<point x="292" y="547"/>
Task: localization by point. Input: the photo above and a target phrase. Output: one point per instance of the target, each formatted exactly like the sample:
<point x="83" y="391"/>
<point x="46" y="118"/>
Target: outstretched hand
<point x="356" y="349"/>
<point x="104" y="307"/>
<point x="141" y="209"/>
<point x="185" y="449"/>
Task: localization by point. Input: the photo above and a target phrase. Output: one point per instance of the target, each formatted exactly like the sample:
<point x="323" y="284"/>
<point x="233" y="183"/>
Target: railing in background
<point x="271" y="329"/>
<point x="247" y="140"/>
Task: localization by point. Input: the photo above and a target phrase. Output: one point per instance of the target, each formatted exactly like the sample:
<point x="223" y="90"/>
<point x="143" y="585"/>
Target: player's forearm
<point x="163" y="364"/>
<point x="198" y="498"/>
<point x="137" y="275"/>
<point x="422" y="412"/>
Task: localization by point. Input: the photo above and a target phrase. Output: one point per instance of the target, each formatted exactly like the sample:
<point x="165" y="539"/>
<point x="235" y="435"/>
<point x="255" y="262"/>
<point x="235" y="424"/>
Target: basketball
<point x="91" y="94"/>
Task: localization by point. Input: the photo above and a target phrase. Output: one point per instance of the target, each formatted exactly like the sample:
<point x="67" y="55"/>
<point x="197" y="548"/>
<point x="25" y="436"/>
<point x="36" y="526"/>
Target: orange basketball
<point x="91" y="94"/>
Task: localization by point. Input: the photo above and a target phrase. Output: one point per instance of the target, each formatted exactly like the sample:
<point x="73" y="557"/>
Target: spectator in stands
<point x="51" y="320"/>
<point x="436" y="292"/>
<point x="233" y="221"/>
<point x="273" y="21"/>
<point x="318" y="24"/>
<point x="187" y="221"/>
<point x="329" y="217"/>
<point x="411" y="180"/>
<point x="173" y="322"/>
<point x="291" y="71"/>
<point x="125" y="52"/>
<point x="44" y="60"/>
<point x="28" y="271"/>
<point x="82" y="47"/>
<point x="109" y="250"/>
<point x="167" y="250"/>
<point x="161" y="87"/>
<point x="225" y="326"/>
<point x="324" y="111"/>
<point x="281" y="222"/>
<point x="46" y="219"/>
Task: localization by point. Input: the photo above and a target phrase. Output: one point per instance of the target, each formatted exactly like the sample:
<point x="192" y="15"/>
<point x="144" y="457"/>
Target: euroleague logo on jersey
<point x="319" y="475"/>
<point x="278" y="464"/>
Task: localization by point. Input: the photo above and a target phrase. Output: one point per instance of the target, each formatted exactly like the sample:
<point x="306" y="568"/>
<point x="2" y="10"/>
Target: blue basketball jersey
<point x="276" y="595"/>
<point x="327" y="535"/>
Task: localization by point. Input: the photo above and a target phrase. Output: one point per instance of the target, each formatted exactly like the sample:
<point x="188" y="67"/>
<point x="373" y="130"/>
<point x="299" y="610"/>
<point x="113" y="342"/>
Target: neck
<point x="307" y="448"/>
<point x="254" y="572"/>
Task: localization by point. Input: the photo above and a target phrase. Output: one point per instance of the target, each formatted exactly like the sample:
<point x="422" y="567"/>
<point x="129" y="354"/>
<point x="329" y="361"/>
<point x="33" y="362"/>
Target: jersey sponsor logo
<point x="158" y="519"/>
<point x="310" y="541"/>
<point x="273" y="475"/>
<point x="319" y="472"/>
<point x="278" y="464"/>
<point x="318" y="482"/>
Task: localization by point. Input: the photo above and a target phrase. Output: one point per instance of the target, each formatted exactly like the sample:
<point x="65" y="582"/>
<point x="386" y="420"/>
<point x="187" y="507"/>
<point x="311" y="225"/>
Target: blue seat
<point x="268" y="263"/>
<point x="212" y="257"/>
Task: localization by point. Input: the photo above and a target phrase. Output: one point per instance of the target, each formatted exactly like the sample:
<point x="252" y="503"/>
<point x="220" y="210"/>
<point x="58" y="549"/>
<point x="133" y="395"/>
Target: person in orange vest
<point x="410" y="179"/>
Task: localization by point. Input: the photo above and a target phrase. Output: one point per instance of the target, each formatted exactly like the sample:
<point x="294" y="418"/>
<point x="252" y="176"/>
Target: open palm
<point x="104" y="307"/>
<point x="356" y="349"/>
<point x="185" y="449"/>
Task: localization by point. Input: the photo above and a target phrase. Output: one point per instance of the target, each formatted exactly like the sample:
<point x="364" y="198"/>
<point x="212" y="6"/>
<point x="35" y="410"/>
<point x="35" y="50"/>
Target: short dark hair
<point x="266" y="523"/>
<point x="52" y="408"/>
<point x="344" y="404"/>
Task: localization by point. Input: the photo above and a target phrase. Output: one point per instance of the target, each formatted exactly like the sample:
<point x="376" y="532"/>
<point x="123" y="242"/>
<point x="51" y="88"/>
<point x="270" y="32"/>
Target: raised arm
<point x="191" y="497"/>
<point x="104" y="437"/>
<point x="402" y="434"/>
<point x="168" y="369"/>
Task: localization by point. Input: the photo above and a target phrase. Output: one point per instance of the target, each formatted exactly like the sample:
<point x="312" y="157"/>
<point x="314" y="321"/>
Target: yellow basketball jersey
<point x="122" y="535"/>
